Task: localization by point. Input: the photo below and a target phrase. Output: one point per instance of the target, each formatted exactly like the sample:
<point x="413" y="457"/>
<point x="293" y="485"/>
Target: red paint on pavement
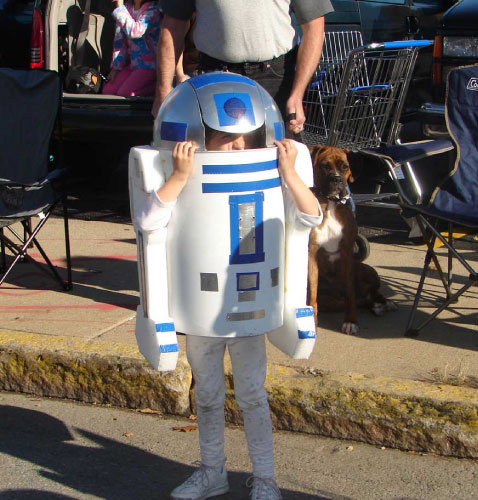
<point x="100" y="307"/>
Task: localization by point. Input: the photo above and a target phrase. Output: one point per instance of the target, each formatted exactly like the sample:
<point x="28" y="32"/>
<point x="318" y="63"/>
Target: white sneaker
<point x="263" y="488"/>
<point x="206" y="482"/>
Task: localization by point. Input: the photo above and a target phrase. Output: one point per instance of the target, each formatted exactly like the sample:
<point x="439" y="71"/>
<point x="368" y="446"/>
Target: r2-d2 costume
<point x="226" y="262"/>
<point x="232" y="259"/>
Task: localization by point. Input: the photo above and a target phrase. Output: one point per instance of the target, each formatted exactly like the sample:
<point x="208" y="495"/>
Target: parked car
<point x="15" y="30"/>
<point x="456" y="44"/>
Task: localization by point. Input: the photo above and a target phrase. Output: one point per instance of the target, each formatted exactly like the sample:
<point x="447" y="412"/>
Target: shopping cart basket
<point x="356" y="96"/>
<point x="355" y="100"/>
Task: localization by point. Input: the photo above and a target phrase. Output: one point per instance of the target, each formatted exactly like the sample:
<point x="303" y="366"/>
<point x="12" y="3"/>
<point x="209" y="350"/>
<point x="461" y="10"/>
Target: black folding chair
<point x="31" y="180"/>
<point x="454" y="202"/>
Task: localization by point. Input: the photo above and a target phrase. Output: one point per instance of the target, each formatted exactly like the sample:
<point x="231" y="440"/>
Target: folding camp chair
<point x="30" y="182"/>
<point x="455" y="201"/>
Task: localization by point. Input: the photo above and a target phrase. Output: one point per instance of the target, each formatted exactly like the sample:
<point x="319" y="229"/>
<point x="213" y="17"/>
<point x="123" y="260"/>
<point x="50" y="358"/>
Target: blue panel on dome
<point x="234" y="108"/>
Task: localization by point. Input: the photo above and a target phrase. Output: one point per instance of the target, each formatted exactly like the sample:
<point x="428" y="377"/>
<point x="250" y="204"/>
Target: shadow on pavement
<point x="106" y="468"/>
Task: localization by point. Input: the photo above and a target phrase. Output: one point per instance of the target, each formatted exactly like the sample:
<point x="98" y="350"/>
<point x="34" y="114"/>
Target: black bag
<point x="82" y="79"/>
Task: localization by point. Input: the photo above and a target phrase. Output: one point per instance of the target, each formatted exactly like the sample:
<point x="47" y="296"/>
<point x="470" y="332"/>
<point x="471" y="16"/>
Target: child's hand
<point x="183" y="168"/>
<point x="183" y="159"/>
<point x="287" y="156"/>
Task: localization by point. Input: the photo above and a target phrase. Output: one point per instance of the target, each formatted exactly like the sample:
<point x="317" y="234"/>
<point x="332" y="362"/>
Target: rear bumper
<point x="101" y="118"/>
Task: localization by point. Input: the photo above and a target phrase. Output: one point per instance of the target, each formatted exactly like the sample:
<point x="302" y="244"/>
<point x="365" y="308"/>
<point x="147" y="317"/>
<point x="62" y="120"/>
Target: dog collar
<point x="340" y="199"/>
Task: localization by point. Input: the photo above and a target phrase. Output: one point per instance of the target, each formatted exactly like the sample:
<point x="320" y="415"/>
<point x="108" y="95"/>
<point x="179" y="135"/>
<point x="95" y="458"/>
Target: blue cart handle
<point x="400" y="44"/>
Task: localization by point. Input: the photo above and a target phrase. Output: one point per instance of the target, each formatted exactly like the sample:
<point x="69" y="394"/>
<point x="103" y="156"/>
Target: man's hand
<point x="308" y="56"/>
<point x="295" y="117"/>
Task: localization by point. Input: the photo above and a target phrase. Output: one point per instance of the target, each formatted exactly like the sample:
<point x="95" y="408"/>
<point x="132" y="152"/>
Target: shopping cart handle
<point x="402" y="44"/>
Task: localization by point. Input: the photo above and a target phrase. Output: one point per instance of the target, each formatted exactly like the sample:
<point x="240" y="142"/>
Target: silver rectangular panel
<point x="243" y="316"/>
<point x="275" y="276"/>
<point x="247" y="281"/>
<point x="142" y="274"/>
<point x="209" y="282"/>
<point x="249" y="296"/>
<point x="247" y="228"/>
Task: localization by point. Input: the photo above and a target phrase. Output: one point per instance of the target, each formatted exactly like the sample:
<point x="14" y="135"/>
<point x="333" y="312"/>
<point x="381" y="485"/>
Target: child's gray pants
<point x="248" y="357"/>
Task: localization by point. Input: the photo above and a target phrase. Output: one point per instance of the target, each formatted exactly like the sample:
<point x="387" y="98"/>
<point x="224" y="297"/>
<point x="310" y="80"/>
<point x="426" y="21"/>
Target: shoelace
<point x="199" y="477"/>
<point x="261" y="487"/>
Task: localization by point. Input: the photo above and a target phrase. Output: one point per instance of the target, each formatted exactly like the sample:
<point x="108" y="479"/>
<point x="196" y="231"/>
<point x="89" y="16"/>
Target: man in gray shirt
<point x="255" y="38"/>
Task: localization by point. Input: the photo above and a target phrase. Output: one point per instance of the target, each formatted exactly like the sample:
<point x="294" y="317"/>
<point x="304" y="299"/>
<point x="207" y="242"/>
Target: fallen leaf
<point x="148" y="410"/>
<point x="127" y="434"/>
<point x="186" y="428"/>
<point x="193" y="417"/>
<point x="350" y="448"/>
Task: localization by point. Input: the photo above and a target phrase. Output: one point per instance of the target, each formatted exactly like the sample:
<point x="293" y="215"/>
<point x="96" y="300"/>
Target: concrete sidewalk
<point x="379" y="387"/>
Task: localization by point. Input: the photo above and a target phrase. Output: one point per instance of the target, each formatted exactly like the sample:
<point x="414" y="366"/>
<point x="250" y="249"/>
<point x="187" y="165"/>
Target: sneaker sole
<point x="214" y="493"/>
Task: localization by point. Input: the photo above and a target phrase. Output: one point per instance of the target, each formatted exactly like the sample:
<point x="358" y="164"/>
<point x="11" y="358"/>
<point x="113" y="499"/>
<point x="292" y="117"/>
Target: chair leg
<point x="20" y="252"/>
<point x="446" y="280"/>
<point x="413" y="332"/>
<point x="3" y="250"/>
<point x="32" y="241"/>
<point x="69" y="283"/>
<point x="450" y="255"/>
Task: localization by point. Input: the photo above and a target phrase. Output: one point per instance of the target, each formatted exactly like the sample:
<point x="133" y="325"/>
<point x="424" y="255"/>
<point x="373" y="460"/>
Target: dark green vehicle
<point x="456" y="44"/>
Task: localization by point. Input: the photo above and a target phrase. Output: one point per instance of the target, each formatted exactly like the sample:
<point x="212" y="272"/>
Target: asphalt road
<point x="61" y="450"/>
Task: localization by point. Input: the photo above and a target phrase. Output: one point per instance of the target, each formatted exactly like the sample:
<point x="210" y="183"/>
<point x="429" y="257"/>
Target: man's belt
<point x="208" y="62"/>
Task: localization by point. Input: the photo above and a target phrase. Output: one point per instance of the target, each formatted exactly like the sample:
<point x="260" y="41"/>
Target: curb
<point x="394" y="413"/>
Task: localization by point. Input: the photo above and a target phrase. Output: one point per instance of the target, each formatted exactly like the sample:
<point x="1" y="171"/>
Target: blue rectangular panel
<point x="258" y="255"/>
<point x="237" y="187"/>
<point x="165" y="327"/>
<point x="303" y="312"/>
<point x="306" y="334"/>
<point x="240" y="168"/>
<point x="173" y="131"/>
<point x="279" y="131"/>
<point x="234" y="108"/>
<point x="168" y="348"/>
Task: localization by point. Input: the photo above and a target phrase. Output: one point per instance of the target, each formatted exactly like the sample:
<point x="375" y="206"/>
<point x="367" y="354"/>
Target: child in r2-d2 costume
<point x="222" y="216"/>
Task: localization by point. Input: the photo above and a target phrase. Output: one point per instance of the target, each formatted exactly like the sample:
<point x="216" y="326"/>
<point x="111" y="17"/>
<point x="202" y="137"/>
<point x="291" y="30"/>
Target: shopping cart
<point x="356" y="96"/>
<point x="355" y="100"/>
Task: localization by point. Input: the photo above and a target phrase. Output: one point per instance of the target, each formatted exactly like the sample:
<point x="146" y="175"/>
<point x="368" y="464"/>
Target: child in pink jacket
<point x="133" y="71"/>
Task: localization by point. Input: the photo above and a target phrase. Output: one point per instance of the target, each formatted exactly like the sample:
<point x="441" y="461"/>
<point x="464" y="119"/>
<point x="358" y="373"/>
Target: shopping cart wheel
<point x="361" y="248"/>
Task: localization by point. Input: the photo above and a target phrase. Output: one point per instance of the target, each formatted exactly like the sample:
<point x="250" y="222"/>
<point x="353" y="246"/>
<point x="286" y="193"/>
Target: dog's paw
<point x="390" y="305"/>
<point x="379" y="308"/>
<point x="350" y="328"/>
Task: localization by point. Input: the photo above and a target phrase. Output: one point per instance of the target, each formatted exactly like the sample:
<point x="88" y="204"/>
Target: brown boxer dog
<point x="344" y="283"/>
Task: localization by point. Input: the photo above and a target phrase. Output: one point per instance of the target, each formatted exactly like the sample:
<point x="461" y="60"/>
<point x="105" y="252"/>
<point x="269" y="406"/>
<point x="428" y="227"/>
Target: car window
<point x="19" y="10"/>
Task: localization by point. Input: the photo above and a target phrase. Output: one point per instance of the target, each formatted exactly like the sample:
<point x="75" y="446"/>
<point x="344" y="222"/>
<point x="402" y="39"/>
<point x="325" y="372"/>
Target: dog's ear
<point x="356" y="164"/>
<point x="315" y="151"/>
